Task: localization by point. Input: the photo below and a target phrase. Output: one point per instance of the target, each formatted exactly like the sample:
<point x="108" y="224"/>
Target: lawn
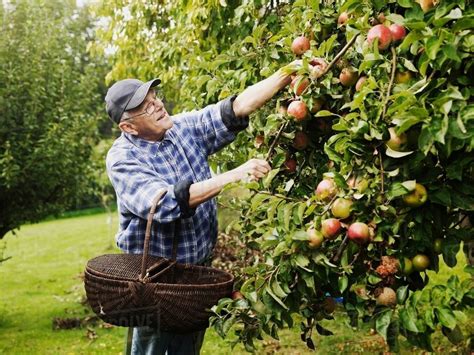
<point x="42" y="281"/>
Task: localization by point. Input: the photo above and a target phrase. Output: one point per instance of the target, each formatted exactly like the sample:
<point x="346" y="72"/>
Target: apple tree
<point x="371" y="148"/>
<point x="50" y="104"/>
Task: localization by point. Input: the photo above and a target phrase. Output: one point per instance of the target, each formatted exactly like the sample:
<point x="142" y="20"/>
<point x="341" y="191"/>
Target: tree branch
<point x="275" y="141"/>
<point x="340" y="54"/>
<point x="390" y="84"/>
<point x="341" y="249"/>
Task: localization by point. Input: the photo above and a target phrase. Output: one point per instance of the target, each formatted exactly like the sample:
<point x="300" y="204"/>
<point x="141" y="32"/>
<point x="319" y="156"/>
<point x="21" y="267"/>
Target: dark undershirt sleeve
<point x="232" y="122"/>
<point x="181" y="192"/>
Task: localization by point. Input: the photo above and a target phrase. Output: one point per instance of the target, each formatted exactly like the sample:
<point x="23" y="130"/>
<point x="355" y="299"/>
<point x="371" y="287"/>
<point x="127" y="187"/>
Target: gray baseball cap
<point x="125" y="95"/>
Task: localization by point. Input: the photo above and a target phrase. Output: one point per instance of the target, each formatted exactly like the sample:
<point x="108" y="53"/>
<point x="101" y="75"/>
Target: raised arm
<point x="257" y="95"/>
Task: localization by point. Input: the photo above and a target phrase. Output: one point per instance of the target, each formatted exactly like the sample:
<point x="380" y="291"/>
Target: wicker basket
<point x="134" y="290"/>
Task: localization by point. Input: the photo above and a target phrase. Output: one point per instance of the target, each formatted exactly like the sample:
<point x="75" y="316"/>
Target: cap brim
<point x="141" y="93"/>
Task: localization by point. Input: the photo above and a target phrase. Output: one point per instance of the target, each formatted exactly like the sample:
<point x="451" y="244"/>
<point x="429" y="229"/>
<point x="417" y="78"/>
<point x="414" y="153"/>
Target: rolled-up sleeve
<point x="136" y="186"/>
<point x="214" y="126"/>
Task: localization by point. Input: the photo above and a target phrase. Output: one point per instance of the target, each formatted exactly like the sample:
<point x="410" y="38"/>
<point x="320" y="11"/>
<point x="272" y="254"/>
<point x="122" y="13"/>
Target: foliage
<point x="50" y="100"/>
<point x="202" y="60"/>
<point x="30" y="301"/>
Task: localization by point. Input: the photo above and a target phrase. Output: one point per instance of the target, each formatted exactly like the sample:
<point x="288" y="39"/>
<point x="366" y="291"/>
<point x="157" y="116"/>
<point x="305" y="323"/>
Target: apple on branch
<point x="300" y="45"/>
<point x="382" y="33"/>
<point x="325" y="190"/>
<point x="298" y="110"/>
<point x="330" y="228"/>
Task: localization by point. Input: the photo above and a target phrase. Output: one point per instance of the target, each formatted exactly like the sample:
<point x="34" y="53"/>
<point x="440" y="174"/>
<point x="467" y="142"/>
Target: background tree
<point x="51" y="100"/>
<point x="388" y="126"/>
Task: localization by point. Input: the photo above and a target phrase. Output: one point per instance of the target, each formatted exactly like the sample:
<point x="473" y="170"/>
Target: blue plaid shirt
<point x="138" y="169"/>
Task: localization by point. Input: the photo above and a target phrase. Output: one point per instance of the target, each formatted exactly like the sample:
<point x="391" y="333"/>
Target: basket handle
<point x="156" y="202"/>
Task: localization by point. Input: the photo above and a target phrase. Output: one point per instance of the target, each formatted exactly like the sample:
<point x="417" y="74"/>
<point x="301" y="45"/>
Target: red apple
<point x="343" y="18"/>
<point x="383" y="34"/>
<point x="315" y="238"/>
<point x="300" y="141"/>
<point x="298" y="110"/>
<point x="325" y="190"/>
<point x="299" y="85"/>
<point x="360" y="83"/>
<point x="237" y="295"/>
<point x="348" y="77"/>
<point x="359" y="232"/>
<point x="398" y="32"/>
<point x="290" y="165"/>
<point x="330" y="227"/>
<point x="300" y="45"/>
<point x="341" y="208"/>
<point x="259" y="140"/>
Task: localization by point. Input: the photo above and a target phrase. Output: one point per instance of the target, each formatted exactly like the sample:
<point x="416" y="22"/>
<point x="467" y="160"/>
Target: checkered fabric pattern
<point x="138" y="169"/>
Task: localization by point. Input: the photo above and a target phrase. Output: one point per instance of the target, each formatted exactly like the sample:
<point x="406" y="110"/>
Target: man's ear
<point x="128" y="127"/>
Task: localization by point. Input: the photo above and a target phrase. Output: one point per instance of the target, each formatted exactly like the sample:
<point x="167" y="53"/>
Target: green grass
<point x="42" y="281"/>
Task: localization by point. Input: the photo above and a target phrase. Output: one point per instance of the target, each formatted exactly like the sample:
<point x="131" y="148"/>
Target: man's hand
<point x="202" y="191"/>
<point x="252" y="170"/>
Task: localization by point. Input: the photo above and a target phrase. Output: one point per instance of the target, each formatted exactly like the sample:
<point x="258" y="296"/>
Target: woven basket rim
<point x="183" y="286"/>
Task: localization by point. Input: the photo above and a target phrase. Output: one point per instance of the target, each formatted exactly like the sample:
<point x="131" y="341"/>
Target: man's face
<point x="152" y="121"/>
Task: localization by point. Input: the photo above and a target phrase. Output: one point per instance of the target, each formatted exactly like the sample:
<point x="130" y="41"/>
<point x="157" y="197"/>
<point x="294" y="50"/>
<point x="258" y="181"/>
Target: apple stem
<point x="355" y="258"/>
<point x="390" y="84"/>
<point x="341" y="249"/>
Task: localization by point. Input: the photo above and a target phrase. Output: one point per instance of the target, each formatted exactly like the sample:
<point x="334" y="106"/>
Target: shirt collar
<point x="145" y="145"/>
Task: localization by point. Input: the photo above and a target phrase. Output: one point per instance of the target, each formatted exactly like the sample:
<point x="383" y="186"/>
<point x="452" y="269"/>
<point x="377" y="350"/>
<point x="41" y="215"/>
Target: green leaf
<point x="395" y="154"/>
<point x="302" y="261"/>
<point x="275" y="297"/>
<point x="382" y="322"/>
<point x="410" y="185"/>
<point x="277" y="289"/>
<point x="454" y="335"/>
<point x="324" y="113"/>
<point x="432" y="46"/>
<point x="299" y="235"/>
<point x="402" y="294"/>
<point x="446" y="317"/>
<point x="397" y="189"/>
<point x="441" y="196"/>
<point x="270" y="176"/>
<point x="280" y="248"/>
<point x="288" y="213"/>
<point x="342" y="283"/>
<point x="228" y="324"/>
<point x="408" y="318"/>
<point x="405" y="3"/>
<point x="257" y="201"/>
<point x="392" y="335"/>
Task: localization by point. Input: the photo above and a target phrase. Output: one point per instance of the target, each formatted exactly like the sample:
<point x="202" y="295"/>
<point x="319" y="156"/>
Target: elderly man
<point x="156" y="151"/>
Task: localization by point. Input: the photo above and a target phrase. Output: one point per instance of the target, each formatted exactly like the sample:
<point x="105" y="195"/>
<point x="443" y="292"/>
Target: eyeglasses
<point x="151" y="108"/>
